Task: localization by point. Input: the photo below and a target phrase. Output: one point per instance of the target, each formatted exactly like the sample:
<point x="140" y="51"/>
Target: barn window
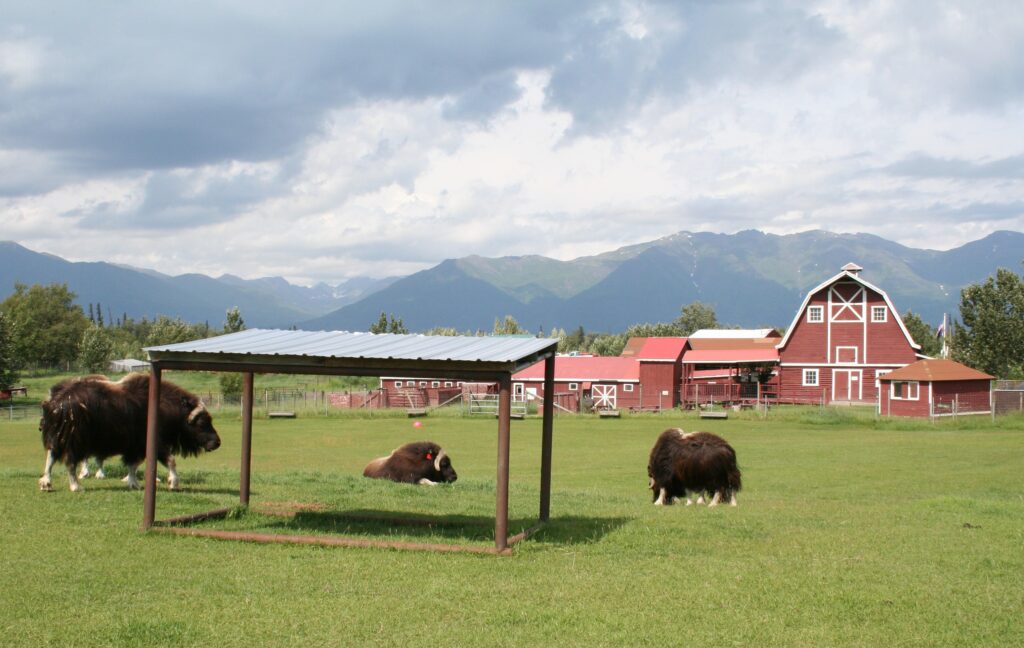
<point x="628" y="387"/>
<point x="810" y="377"/>
<point x="905" y="390"/>
<point x="447" y="383"/>
<point x="423" y="383"/>
<point x="435" y="383"/>
<point x="816" y="314"/>
<point x="458" y="384"/>
<point x="878" y="374"/>
<point x="398" y="383"/>
<point x="879" y="314"/>
<point x="846" y="355"/>
<point x="573" y="386"/>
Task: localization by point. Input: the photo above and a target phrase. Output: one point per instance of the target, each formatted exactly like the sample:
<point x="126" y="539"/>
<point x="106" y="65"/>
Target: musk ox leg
<point x="426" y="482"/>
<point x="99" y="474"/>
<point x="83" y="469"/>
<point x="700" y="499"/>
<point x="716" y="499"/>
<point x="73" y="483"/>
<point x="732" y="499"/>
<point x="132" y="478"/>
<point x="172" y="474"/>
<point x="46" y="482"/>
<point x="662" y="498"/>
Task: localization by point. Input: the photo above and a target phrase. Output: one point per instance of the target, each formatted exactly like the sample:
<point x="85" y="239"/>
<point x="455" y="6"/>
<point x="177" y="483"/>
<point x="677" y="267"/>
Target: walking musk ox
<point x="94" y="417"/>
<point x="422" y="462"/>
<point x="698" y="462"/>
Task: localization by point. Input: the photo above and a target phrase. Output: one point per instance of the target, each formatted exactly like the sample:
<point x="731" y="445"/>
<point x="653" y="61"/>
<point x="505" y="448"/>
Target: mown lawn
<point x="849" y="532"/>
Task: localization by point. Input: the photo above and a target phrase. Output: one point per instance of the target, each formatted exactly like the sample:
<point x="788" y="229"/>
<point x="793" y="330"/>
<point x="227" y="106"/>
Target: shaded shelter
<point x="485" y="359"/>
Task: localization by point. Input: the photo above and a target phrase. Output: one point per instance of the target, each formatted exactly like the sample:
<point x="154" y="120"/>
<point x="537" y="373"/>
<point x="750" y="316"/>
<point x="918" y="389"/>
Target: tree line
<point x="42" y="327"/>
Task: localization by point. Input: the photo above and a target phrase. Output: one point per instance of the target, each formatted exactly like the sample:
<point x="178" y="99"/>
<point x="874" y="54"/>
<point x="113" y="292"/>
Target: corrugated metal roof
<point x="733" y="333"/>
<point x="935" y="370"/>
<point x="661" y="348"/>
<point x="264" y="344"/>
<point x="735" y="344"/>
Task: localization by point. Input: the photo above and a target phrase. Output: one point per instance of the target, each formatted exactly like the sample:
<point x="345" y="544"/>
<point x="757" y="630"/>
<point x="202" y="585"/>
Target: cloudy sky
<point x="377" y="138"/>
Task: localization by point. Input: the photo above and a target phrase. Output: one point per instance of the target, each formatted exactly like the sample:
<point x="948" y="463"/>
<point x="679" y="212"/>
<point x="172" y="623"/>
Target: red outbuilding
<point x="846" y="334"/>
<point x="931" y="388"/>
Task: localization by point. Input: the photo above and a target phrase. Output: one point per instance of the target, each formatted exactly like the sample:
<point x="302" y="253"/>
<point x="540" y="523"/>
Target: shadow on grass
<point x="567" y="530"/>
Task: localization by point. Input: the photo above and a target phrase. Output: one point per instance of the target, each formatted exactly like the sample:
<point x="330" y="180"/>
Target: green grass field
<point x="850" y="532"/>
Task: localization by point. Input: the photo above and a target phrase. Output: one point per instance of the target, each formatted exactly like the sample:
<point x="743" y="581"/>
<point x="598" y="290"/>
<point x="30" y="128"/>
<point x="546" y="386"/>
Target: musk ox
<point x="698" y="462"/>
<point x="422" y="462"/>
<point x="94" y="417"/>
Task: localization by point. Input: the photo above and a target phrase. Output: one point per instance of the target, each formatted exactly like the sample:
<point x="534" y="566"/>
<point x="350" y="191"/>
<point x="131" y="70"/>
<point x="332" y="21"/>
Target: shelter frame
<point x="248" y="365"/>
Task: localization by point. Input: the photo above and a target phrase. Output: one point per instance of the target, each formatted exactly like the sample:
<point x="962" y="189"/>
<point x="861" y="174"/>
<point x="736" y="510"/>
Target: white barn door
<point x="605" y="396"/>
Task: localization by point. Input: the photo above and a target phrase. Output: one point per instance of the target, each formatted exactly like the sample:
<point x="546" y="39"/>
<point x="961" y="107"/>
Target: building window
<point x="573" y="386"/>
<point x="447" y="383"/>
<point x="423" y="383"/>
<point x="628" y="387"/>
<point x="435" y="383"/>
<point x="878" y="374"/>
<point x="810" y="377"/>
<point x="458" y="384"/>
<point x="398" y="383"/>
<point x="815" y="314"/>
<point x="879" y="314"/>
<point x="905" y="390"/>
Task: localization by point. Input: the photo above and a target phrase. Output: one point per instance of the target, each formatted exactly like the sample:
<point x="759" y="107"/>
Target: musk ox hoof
<point x="173" y="485"/>
<point x="100" y="474"/>
<point x="84" y="472"/>
<point x="76" y="488"/>
<point x="45" y="485"/>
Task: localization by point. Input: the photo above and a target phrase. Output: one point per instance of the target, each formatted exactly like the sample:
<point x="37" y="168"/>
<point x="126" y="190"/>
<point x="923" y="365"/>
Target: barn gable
<point x="846" y="333"/>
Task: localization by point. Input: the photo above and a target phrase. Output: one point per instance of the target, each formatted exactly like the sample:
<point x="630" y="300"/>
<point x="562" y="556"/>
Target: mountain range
<point x="750" y="278"/>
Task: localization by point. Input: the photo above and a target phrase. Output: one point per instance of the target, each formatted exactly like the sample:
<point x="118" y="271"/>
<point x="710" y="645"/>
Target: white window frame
<point x="447" y="383"/>
<point x="856" y="355"/>
<point x="820" y="310"/>
<point x="459" y="384"/>
<point x="398" y="383"/>
<point x="435" y="383"/>
<point x="883" y="311"/>
<point x="817" y="377"/>
<point x="627" y="387"/>
<point x="573" y="386"/>
<point x="909" y="383"/>
<point x="423" y="383"/>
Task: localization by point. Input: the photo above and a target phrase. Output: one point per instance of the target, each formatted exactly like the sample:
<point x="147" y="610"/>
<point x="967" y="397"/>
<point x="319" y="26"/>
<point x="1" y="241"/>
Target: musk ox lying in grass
<point x="421" y="462"/>
<point x="698" y="462"/>
<point x="94" y="417"/>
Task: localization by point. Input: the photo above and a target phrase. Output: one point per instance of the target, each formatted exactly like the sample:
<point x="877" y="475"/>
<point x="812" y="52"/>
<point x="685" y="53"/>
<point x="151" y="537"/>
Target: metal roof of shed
<point x="275" y="350"/>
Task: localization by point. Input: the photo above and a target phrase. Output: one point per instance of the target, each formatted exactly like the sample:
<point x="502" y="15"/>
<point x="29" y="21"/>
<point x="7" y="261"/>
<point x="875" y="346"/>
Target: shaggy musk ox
<point x="698" y="462"/>
<point x="94" y="417"/>
<point x="423" y="462"/>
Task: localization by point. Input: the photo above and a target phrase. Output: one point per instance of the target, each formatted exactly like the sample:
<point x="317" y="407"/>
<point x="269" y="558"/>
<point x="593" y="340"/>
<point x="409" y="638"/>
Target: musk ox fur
<point x="95" y="417"/>
<point x="421" y="462"/>
<point x="697" y="462"/>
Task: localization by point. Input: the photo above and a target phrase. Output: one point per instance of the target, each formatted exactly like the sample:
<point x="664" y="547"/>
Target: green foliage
<point x="384" y="325"/>
<point x="695" y="316"/>
<point x="507" y="326"/>
<point x="609" y="345"/>
<point x="991" y="337"/>
<point x="97" y="349"/>
<point x="230" y="385"/>
<point x="165" y="330"/>
<point x="47" y="325"/>
<point x="234" y="322"/>
<point x="922" y="334"/>
<point x="8" y="369"/>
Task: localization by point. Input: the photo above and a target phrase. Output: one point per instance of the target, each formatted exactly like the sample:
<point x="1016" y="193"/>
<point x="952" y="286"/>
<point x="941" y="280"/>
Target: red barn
<point x="609" y="382"/>
<point x="935" y="388"/>
<point x="845" y="335"/>
<point x="661" y="370"/>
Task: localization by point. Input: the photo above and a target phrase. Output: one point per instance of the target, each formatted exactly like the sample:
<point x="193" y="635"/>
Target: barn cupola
<point x="852" y="268"/>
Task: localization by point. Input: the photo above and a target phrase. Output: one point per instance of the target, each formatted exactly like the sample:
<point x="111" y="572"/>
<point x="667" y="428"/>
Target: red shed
<point x="611" y="383"/>
<point x="935" y="388"/>
<point x="661" y="370"/>
<point x="845" y="335"/>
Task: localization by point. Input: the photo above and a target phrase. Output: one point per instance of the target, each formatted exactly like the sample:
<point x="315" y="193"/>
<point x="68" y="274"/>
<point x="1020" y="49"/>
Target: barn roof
<point x="725" y="334"/>
<point x="364" y="353"/>
<point x="853" y="275"/>
<point x="586" y="368"/>
<point x="731" y="356"/>
<point x="734" y="344"/>
<point x="935" y="370"/>
<point x="656" y="349"/>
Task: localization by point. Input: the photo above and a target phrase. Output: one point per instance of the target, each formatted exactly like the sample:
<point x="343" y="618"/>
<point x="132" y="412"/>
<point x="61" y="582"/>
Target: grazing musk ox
<point x="94" y="417"/>
<point x="698" y="462"/>
<point x="422" y="462"/>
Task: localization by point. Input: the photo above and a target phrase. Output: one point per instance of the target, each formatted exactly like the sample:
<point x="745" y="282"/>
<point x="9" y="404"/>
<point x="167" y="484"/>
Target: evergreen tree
<point x="923" y="334"/>
<point x="381" y="325"/>
<point x="234" y="322"/>
<point x="8" y="361"/>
